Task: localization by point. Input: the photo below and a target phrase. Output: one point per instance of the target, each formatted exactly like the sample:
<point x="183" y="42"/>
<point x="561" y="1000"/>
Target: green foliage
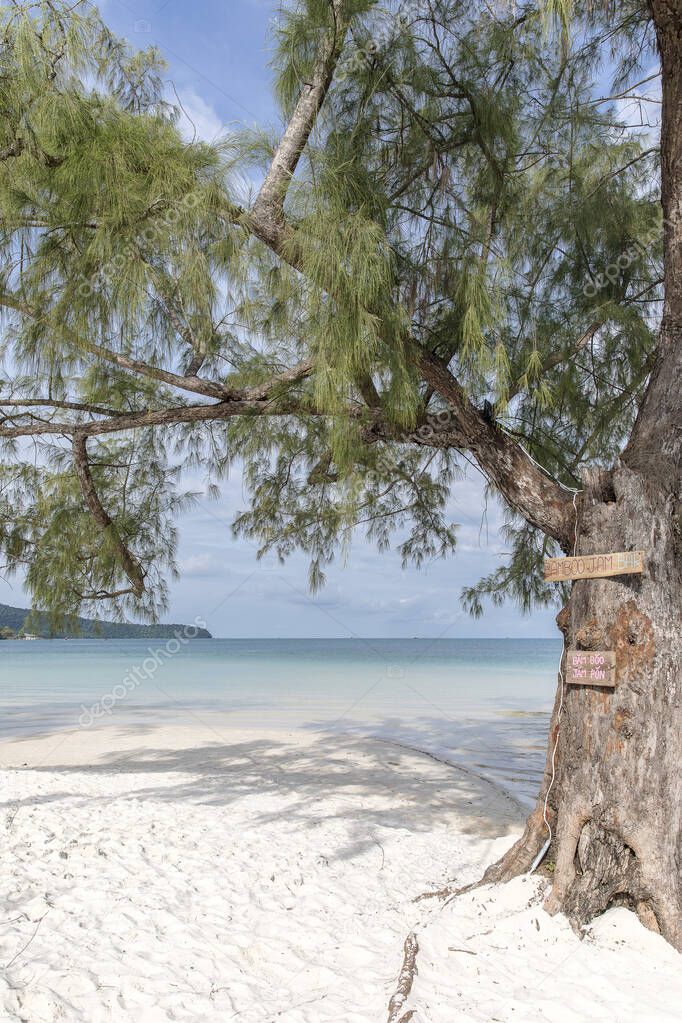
<point x="307" y="505"/>
<point x="46" y="530"/>
<point x="462" y="193"/>
<point x="521" y="578"/>
<point x="297" y="40"/>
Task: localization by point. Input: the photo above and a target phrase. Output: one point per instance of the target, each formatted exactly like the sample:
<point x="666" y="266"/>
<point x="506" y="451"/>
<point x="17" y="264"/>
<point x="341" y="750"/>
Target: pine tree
<point x="456" y="252"/>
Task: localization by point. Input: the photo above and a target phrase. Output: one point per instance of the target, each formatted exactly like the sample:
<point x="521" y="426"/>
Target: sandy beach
<point x="175" y="873"/>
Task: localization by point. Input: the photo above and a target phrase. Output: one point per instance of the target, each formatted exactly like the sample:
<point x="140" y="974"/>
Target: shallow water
<point x="482" y="703"/>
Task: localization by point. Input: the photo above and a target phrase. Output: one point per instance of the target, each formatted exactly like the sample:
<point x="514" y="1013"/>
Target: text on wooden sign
<point x="593" y="566"/>
<point x="591" y="668"/>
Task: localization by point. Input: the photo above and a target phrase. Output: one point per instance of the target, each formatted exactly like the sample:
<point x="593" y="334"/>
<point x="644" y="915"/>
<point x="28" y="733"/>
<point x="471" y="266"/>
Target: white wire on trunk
<point x="543" y="852"/>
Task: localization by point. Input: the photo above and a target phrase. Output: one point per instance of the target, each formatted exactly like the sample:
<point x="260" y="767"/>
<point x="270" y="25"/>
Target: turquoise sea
<point x="484" y="703"/>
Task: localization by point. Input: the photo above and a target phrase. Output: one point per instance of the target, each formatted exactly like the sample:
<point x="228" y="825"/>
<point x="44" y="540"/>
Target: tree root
<point x="595" y="870"/>
<point x="405" y="979"/>
<point x="517" y="860"/>
<point x="602" y="870"/>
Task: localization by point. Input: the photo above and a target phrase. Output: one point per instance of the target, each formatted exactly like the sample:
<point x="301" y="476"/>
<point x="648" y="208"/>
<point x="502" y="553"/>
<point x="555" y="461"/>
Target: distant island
<point x="15" y="624"/>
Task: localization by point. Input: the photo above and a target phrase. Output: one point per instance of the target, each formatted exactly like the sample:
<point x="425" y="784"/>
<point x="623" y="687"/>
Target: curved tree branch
<point x="254" y="401"/>
<point x="193" y="384"/>
<point x="196" y="385"/>
<point x="525" y="487"/>
<point x="129" y="562"/>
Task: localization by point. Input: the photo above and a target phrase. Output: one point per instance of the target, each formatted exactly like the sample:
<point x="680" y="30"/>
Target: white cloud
<point x="200" y="566"/>
<point x="198" y="119"/>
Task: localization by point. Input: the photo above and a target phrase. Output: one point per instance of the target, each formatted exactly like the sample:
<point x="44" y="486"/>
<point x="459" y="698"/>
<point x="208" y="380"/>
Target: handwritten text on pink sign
<point x="591" y="667"/>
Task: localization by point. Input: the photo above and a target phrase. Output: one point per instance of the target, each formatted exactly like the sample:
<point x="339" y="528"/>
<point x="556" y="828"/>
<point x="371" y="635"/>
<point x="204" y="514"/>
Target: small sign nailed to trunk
<point x="591" y="668"/>
<point x="594" y="566"/>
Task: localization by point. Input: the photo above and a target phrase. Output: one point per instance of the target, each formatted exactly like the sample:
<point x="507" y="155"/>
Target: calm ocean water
<point x="482" y="703"/>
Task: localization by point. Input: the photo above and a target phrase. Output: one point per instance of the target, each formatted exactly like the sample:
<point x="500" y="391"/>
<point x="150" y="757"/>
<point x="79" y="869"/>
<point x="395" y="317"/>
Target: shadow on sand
<point x="369" y="778"/>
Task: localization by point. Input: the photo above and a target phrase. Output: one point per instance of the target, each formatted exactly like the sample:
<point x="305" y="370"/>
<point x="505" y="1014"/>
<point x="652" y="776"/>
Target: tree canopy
<point x="450" y="252"/>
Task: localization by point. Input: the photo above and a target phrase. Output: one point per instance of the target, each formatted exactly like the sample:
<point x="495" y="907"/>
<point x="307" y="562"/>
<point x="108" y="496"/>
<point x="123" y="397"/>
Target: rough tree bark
<point x="616" y="802"/>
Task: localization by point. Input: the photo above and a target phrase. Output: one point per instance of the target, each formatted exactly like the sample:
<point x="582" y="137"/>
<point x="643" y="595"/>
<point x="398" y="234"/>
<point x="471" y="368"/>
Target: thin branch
<point x="129" y="562"/>
<point x="76" y="406"/>
<point x="266" y="389"/>
<point x="270" y="200"/>
<point x="627" y="93"/>
<point x="196" y="385"/>
<point x="621" y="170"/>
<point x="552" y="361"/>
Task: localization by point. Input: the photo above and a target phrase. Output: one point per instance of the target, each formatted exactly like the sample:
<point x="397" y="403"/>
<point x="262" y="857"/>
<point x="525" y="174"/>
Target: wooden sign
<point x="594" y="566"/>
<point x="591" y="668"/>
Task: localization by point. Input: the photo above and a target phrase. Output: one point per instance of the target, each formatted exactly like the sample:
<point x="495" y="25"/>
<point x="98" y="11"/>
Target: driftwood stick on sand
<point x="405" y="979"/>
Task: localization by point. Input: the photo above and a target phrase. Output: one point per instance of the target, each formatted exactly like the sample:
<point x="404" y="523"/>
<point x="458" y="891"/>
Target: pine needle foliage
<point x="466" y="192"/>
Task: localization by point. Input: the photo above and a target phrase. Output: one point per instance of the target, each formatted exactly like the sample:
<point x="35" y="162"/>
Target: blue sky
<point x="218" y="55"/>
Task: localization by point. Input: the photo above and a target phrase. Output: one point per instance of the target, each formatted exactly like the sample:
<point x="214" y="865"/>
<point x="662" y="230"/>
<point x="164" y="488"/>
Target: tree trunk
<point x="655" y="447"/>
<point x="616" y="802"/>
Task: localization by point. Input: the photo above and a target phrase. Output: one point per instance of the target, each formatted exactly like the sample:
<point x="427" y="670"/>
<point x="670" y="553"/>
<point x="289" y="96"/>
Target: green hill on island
<point x="14" y="623"/>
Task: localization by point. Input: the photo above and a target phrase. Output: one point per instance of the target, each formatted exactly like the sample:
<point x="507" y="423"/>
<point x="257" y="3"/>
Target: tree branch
<point x="196" y="385"/>
<point x="267" y="209"/>
<point x="525" y="487"/>
<point x="173" y="416"/>
<point x="193" y="384"/>
<point x="76" y="406"/>
<point x="266" y="389"/>
<point x="129" y="563"/>
<point x="552" y="361"/>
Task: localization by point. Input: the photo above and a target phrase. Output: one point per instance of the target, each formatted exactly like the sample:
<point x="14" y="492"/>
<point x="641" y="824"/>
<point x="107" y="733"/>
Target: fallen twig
<point x="405" y="979"/>
<point x="449" y="891"/>
<point x="380" y="846"/>
<point x="24" y="947"/>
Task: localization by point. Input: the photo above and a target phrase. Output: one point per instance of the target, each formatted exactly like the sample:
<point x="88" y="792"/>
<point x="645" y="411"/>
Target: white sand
<point x="178" y="874"/>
